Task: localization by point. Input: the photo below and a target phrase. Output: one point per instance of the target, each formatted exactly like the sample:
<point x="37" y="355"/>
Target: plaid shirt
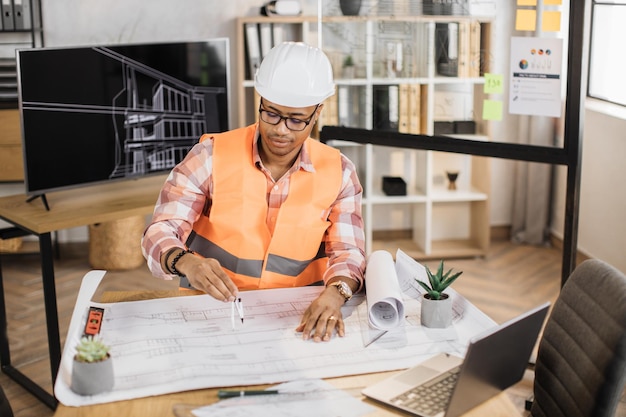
<point x="188" y="192"/>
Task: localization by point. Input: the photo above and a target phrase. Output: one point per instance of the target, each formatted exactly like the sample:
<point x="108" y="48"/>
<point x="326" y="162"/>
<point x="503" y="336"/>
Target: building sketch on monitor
<point x="103" y="113"/>
<point x="162" y="117"/>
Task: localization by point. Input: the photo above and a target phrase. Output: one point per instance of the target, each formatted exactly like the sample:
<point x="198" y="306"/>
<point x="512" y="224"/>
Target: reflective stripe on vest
<point x="236" y="233"/>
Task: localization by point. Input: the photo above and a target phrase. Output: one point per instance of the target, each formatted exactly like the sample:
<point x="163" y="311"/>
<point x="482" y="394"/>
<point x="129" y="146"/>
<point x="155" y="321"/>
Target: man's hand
<point x="206" y="274"/>
<point x="324" y="314"/>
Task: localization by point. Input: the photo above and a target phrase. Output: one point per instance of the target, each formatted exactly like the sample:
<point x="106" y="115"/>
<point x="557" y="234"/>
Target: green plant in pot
<point x="348" y="67"/>
<point x="92" y="369"/>
<point x="436" y="309"/>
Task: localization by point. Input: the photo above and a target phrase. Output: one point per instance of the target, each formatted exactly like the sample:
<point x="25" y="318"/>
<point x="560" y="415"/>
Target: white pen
<point x="239" y="304"/>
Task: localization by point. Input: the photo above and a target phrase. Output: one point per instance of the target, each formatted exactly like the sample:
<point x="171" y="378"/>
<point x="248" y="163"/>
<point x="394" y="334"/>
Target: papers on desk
<point x="305" y="398"/>
<point x="184" y="343"/>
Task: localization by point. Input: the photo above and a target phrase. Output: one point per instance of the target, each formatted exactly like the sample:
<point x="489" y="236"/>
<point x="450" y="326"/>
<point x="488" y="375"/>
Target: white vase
<point x="436" y="313"/>
<point x="91" y="378"/>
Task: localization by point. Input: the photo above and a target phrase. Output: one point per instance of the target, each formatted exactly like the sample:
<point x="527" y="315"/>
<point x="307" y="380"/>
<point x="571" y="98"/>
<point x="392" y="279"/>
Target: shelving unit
<point x="20" y="28"/>
<point x="27" y="33"/>
<point x="395" y="85"/>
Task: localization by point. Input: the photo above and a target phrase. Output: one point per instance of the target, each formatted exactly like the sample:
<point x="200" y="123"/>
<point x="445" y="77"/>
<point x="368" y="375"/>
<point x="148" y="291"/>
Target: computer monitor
<point x="113" y="112"/>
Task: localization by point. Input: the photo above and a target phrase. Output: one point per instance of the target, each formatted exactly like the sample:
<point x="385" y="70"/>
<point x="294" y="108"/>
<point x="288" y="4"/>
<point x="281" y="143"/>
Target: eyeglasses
<point x="292" y="123"/>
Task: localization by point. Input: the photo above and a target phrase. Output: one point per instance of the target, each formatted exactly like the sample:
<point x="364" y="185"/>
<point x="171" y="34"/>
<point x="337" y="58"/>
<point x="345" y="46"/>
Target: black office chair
<point x="581" y="362"/>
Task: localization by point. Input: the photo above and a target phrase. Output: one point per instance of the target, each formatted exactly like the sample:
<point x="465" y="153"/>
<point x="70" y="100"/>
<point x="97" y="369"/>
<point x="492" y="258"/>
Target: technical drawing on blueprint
<point x="182" y="343"/>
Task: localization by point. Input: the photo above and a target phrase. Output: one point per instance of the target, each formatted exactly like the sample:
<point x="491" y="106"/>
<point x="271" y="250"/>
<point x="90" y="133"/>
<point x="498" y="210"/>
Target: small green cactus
<point x="91" y="349"/>
<point x="438" y="282"/>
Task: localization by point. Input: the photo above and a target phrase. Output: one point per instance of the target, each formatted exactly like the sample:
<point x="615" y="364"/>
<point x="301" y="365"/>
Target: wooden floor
<point x="510" y="280"/>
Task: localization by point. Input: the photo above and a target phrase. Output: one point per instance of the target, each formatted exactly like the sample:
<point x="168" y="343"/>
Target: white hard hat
<point x="294" y="74"/>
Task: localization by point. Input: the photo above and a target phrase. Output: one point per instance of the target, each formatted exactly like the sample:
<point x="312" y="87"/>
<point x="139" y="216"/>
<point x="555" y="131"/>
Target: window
<point x="607" y="56"/>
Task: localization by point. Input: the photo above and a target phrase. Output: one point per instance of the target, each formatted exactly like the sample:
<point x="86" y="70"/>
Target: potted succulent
<point x="92" y="370"/>
<point x="436" y="310"/>
<point x="348" y="67"/>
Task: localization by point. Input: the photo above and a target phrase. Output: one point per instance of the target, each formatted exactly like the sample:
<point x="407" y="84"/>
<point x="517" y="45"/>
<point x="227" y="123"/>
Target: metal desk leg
<point x="50" y="300"/>
<point x="52" y="323"/>
<point x="5" y="353"/>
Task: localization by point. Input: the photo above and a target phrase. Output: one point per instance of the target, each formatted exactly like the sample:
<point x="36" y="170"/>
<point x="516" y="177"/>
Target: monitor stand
<point x="43" y="198"/>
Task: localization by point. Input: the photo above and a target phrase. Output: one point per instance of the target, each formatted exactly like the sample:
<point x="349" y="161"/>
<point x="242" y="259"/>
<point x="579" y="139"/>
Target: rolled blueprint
<point x="384" y="296"/>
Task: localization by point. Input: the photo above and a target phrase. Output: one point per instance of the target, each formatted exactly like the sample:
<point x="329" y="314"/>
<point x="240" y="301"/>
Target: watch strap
<point x="343" y="288"/>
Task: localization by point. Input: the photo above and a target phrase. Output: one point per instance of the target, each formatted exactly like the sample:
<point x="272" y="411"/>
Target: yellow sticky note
<point x="527" y="2"/>
<point x="552" y="2"/>
<point x="525" y="19"/>
<point x="493" y="83"/>
<point x="492" y="110"/>
<point x="551" y="22"/>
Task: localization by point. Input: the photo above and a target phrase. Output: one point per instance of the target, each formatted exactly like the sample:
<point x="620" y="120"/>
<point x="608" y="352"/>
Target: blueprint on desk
<point x="183" y="343"/>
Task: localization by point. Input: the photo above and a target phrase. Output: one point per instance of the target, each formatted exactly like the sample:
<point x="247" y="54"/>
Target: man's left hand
<point x="323" y="316"/>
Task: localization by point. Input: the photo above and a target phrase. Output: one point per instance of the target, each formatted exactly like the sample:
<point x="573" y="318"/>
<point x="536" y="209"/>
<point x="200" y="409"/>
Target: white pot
<point x="90" y="378"/>
<point x="436" y="313"/>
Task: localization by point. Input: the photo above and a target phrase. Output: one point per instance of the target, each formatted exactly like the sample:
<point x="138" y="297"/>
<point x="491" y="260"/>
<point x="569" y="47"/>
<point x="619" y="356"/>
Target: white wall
<point x="602" y="223"/>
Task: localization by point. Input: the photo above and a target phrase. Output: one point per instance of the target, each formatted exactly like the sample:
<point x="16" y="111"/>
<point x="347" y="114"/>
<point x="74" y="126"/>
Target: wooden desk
<point x="162" y="405"/>
<point x="68" y="209"/>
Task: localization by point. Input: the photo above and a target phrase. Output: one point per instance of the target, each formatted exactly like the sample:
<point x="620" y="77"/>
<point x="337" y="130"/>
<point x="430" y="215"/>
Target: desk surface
<point x="83" y="206"/>
<point x="162" y="405"/>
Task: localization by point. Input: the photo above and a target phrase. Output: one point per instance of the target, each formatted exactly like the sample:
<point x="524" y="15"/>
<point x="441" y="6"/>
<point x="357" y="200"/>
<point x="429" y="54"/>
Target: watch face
<point x="344" y="289"/>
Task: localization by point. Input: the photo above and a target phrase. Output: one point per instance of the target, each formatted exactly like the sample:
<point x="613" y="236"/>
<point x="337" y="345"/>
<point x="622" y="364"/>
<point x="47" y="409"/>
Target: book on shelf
<point x="257" y="105"/>
<point x="425" y="49"/>
<point x="404" y="111"/>
<point x="8" y="22"/>
<point x="447" y="49"/>
<point x="253" y="47"/>
<point x="21" y="14"/>
<point x="464" y="49"/>
<point x="329" y="116"/>
<point x="474" y="50"/>
<point x="415" y="109"/>
<point x="341" y="114"/>
<point x="278" y="33"/>
<point x="482" y="7"/>
<point x="485" y="47"/>
<point x="265" y="33"/>
<point x="386" y="104"/>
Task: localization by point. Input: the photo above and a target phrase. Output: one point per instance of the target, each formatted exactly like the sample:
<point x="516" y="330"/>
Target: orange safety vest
<point x="236" y="232"/>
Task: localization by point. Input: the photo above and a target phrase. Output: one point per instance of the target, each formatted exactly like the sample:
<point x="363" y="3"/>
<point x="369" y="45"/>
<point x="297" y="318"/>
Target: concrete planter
<point x="91" y="378"/>
<point x="436" y="313"/>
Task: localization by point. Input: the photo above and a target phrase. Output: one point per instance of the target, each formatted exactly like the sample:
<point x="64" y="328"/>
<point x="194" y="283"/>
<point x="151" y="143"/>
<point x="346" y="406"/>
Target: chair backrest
<point x="581" y="361"/>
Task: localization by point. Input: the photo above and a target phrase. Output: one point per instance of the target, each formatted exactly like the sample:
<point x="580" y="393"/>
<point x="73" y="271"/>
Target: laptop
<point x="495" y="360"/>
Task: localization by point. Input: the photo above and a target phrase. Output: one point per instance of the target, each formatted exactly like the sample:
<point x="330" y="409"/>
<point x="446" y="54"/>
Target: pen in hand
<point x="239" y="305"/>
<point x="242" y="393"/>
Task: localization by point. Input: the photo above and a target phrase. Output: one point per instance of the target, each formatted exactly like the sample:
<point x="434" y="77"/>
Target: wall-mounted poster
<point x="535" y="87"/>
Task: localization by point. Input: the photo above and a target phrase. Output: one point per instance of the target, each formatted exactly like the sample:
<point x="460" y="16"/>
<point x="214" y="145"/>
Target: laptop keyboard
<point x="429" y="398"/>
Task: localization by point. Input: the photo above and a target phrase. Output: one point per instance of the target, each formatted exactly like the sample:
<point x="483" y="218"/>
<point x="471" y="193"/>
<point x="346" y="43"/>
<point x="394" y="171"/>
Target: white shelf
<point x="381" y="198"/>
<point x="430" y="221"/>
<point x="443" y="195"/>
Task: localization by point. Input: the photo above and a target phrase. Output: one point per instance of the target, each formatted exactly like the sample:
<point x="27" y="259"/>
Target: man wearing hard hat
<point x="266" y="206"/>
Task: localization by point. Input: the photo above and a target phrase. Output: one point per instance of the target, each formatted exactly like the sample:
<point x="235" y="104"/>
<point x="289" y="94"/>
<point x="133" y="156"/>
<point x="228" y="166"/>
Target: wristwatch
<point x="343" y="288"/>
